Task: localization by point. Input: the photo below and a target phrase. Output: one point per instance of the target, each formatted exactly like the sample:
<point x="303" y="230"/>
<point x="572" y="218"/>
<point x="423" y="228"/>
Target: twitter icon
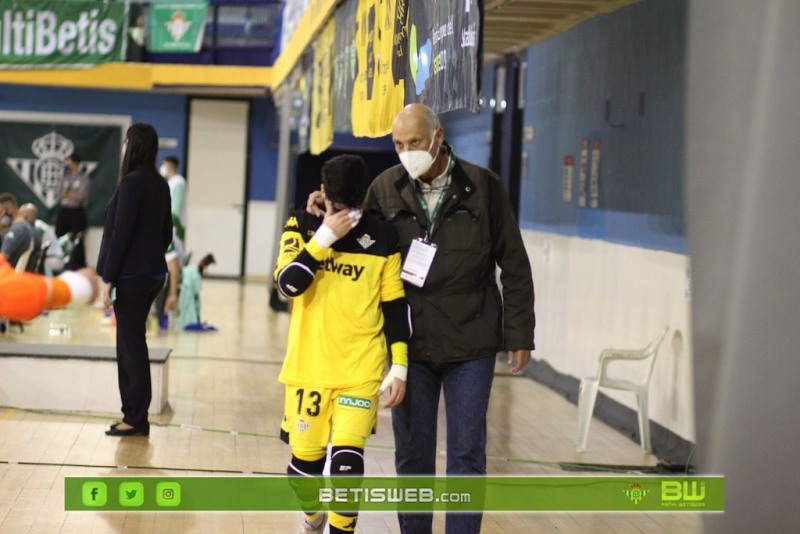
<point x="131" y="494"/>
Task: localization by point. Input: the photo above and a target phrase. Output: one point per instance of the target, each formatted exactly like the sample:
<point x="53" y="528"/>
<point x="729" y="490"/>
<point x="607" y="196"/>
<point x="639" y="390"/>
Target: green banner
<point x="32" y="162"/>
<point x="411" y="494"/>
<point x="177" y="26"/>
<point x="61" y="33"/>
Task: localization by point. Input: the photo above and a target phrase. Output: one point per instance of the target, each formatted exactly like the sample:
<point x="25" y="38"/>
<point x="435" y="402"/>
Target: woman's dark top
<point x="138" y="227"/>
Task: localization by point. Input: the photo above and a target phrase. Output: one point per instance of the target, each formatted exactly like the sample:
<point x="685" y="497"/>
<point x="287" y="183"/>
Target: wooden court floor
<point x="225" y="406"/>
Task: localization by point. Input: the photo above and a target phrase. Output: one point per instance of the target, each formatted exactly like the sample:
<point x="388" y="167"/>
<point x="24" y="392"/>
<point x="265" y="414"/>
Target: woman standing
<point x="137" y="232"/>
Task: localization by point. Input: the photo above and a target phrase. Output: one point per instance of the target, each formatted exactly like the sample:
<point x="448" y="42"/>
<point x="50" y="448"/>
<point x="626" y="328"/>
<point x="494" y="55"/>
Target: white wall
<point x="592" y="295"/>
<point x="216" y="192"/>
<point x="261" y="235"/>
<point x="94" y="236"/>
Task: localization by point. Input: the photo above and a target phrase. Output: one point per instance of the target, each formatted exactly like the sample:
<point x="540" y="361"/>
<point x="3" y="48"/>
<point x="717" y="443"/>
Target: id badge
<point x="418" y="262"/>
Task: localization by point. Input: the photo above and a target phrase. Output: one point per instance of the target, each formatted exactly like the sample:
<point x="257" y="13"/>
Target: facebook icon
<point x="94" y="494"/>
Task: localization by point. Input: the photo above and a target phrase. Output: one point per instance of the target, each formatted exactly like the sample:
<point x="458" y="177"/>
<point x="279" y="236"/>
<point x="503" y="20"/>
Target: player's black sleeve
<point x="298" y="275"/>
<point x="397" y="320"/>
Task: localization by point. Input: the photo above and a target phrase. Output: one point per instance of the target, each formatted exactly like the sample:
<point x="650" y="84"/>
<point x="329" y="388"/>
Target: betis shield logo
<point x="43" y="173"/>
<point x="636" y="493"/>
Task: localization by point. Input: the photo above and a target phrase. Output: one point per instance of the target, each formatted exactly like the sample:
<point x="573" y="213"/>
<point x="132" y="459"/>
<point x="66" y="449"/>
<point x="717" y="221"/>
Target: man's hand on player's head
<point x="315" y="205"/>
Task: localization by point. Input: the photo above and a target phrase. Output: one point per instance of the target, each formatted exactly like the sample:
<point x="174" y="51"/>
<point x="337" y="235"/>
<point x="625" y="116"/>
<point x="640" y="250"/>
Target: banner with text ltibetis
<point x="45" y="34"/>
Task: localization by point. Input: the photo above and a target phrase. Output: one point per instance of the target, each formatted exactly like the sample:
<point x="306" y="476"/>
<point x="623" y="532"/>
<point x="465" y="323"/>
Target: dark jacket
<point x="459" y="315"/>
<point x="138" y="227"/>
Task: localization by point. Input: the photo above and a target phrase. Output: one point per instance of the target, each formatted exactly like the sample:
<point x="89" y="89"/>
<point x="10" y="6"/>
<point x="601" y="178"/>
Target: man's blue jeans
<point x="466" y="388"/>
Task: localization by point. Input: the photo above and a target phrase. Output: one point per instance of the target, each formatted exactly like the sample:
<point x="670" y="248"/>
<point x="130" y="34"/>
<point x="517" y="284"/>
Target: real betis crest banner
<point x="177" y="26"/>
<point x="32" y="162"/>
<point x="66" y="33"/>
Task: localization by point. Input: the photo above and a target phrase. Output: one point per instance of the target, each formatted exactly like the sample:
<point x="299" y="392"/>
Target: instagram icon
<point x="168" y="494"/>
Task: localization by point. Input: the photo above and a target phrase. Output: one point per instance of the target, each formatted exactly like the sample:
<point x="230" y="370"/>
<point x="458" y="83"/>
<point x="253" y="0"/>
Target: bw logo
<point x="44" y="173"/>
<point x="676" y="490"/>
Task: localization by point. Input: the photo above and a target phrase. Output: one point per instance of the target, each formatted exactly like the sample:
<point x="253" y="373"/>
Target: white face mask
<point x="163" y="170"/>
<point x="417" y="162"/>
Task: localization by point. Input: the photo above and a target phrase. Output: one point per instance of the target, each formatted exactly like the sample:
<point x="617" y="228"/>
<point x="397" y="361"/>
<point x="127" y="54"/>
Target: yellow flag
<point x="379" y="89"/>
<point x="321" y="135"/>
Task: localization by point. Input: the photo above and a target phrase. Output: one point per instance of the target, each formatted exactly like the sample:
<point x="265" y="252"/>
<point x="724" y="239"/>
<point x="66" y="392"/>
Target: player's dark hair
<point x="76" y="158"/>
<point x="173" y="160"/>
<point x="346" y="179"/>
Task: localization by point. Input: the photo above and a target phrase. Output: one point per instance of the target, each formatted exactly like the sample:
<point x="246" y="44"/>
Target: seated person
<point x="8" y="211"/>
<point x="189" y="295"/>
<point x="53" y="262"/>
<point x="21" y="241"/>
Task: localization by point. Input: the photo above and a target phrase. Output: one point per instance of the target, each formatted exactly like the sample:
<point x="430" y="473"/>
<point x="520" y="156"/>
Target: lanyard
<point x="431" y="218"/>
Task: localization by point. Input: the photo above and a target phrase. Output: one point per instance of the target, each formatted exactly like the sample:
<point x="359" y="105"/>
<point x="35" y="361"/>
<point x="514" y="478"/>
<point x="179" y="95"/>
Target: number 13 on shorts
<point x="307" y="417"/>
<point x="312" y="414"/>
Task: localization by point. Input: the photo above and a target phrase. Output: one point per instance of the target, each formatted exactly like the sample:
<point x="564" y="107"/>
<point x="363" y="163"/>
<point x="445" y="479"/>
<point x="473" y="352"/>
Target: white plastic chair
<point x="587" y="393"/>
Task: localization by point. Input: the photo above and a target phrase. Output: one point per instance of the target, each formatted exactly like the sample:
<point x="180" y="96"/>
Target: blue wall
<point x="615" y="57"/>
<point x="612" y="57"/>
<point x="263" y="150"/>
<point x="166" y="112"/>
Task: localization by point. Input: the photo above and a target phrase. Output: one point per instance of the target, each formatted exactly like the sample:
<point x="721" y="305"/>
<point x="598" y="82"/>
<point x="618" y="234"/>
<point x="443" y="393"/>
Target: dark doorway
<point x="506" y="157"/>
<point x="308" y="169"/>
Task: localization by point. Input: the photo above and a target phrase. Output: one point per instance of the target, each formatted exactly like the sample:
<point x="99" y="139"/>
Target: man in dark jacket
<point x="456" y="225"/>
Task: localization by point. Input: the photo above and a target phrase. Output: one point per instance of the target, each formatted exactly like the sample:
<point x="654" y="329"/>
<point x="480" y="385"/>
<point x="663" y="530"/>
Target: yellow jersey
<point x="348" y="301"/>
